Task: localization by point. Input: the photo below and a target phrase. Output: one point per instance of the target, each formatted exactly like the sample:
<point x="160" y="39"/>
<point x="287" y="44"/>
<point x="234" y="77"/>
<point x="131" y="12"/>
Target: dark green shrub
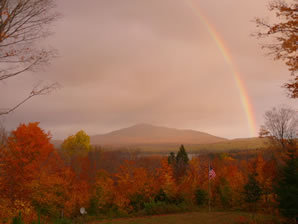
<point x="18" y="219"/>
<point x="201" y="196"/>
<point x="225" y="193"/>
<point x="252" y="192"/>
<point x="93" y="206"/>
<point x="137" y="201"/>
<point x="287" y="188"/>
<point x="162" y="196"/>
<point x="159" y="207"/>
<point x="177" y="199"/>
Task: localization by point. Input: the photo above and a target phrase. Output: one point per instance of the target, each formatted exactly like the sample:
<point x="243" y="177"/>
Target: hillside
<point x="224" y="146"/>
<point x="154" y="139"/>
<point x="145" y="134"/>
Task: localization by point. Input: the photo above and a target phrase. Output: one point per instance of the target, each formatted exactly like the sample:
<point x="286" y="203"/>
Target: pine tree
<point x="182" y="155"/>
<point x="181" y="165"/>
<point x="18" y="219"/>
<point x="287" y="188"/>
<point x="172" y="158"/>
<point x="252" y="192"/>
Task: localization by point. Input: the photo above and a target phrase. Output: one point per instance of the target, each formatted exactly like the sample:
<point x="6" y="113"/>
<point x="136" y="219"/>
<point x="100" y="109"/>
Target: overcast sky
<point x="124" y="62"/>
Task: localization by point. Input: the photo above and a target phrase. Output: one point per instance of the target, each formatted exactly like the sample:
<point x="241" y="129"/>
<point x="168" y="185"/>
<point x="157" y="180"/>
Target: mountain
<point x="155" y="139"/>
<point x="146" y="134"/>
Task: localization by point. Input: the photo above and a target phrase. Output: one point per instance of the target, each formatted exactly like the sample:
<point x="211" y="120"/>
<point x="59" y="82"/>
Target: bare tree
<point x="22" y="24"/>
<point x="282" y="36"/>
<point x="281" y="126"/>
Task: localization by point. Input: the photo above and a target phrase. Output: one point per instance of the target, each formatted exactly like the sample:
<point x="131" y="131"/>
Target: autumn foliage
<point x="283" y="38"/>
<point x="36" y="178"/>
<point x="33" y="178"/>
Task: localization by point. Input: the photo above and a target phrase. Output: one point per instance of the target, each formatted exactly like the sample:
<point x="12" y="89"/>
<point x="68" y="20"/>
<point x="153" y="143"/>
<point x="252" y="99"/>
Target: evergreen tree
<point x="252" y="192"/>
<point x="172" y="158"/>
<point x="225" y="192"/>
<point x="181" y="165"/>
<point x="182" y="155"/>
<point x="18" y="219"/>
<point x="287" y="188"/>
<point x="201" y="196"/>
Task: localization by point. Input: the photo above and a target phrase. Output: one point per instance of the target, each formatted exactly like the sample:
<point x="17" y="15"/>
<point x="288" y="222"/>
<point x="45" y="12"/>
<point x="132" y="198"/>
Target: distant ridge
<point x="147" y="134"/>
<point x="155" y="139"/>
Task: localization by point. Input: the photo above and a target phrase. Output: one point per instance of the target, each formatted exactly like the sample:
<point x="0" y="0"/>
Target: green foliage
<point x="201" y="196"/>
<point x="182" y="155"/>
<point x="77" y="144"/>
<point x="97" y="209"/>
<point x="160" y="207"/>
<point x="63" y="221"/>
<point x="287" y="188"/>
<point x="137" y="201"/>
<point x="162" y="197"/>
<point x="178" y="199"/>
<point x="18" y="219"/>
<point x="93" y="206"/>
<point x="179" y="163"/>
<point x="46" y="209"/>
<point x="252" y="191"/>
<point x="172" y="158"/>
<point x="38" y="219"/>
<point x="225" y="193"/>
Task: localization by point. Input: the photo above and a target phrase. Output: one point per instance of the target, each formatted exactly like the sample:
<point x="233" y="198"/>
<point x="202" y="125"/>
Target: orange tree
<point x="25" y="161"/>
<point x="134" y="186"/>
<point x="33" y="177"/>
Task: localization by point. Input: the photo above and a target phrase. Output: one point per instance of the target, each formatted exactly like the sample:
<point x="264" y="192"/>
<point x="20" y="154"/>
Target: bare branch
<point x="18" y="72"/>
<point x="281" y="126"/>
<point x="22" y="24"/>
<point x="283" y="38"/>
<point x="37" y="91"/>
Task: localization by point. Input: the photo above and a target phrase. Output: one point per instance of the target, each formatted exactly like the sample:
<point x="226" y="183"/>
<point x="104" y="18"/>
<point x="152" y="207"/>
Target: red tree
<point x="25" y="161"/>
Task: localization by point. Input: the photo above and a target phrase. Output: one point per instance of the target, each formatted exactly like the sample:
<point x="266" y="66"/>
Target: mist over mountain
<point x="149" y="134"/>
<point x="156" y="139"/>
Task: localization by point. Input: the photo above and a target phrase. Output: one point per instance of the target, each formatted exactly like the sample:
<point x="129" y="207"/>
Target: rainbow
<point x="246" y="103"/>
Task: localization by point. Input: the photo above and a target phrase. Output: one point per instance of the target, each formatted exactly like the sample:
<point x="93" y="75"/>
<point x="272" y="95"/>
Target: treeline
<point x="40" y="182"/>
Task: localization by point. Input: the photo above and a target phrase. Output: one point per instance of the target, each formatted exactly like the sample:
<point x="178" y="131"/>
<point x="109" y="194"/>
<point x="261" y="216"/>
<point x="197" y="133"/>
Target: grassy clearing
<point x="187" y="218"/>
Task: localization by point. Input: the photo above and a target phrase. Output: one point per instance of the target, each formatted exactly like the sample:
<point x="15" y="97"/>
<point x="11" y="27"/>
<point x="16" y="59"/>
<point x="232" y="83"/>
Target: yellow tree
<point x="77" y="144"/>
<point x="76" y="148"/>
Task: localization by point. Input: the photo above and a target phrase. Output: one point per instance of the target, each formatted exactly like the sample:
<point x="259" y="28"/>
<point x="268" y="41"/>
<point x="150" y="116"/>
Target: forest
<point x="166" y="62"/>
<point x="41" y="184"/>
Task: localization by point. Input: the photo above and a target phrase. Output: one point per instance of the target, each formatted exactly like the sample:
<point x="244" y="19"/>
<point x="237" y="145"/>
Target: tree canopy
<point x="77" y="144"/>
<point x="282" y="38"/>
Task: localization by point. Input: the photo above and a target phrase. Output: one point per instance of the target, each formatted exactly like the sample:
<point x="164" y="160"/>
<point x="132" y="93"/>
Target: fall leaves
<point x="283" y="38"/>
<point x="33" y="178"/>
<point x="37" y="178"/>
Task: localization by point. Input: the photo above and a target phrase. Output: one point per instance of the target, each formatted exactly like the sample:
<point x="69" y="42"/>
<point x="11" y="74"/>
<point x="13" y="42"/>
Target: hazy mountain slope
<point x="230" y="145"/>
<point x="149" y="134"/>
<point x="154" y="139"/>
<point x="224" y="146"/>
